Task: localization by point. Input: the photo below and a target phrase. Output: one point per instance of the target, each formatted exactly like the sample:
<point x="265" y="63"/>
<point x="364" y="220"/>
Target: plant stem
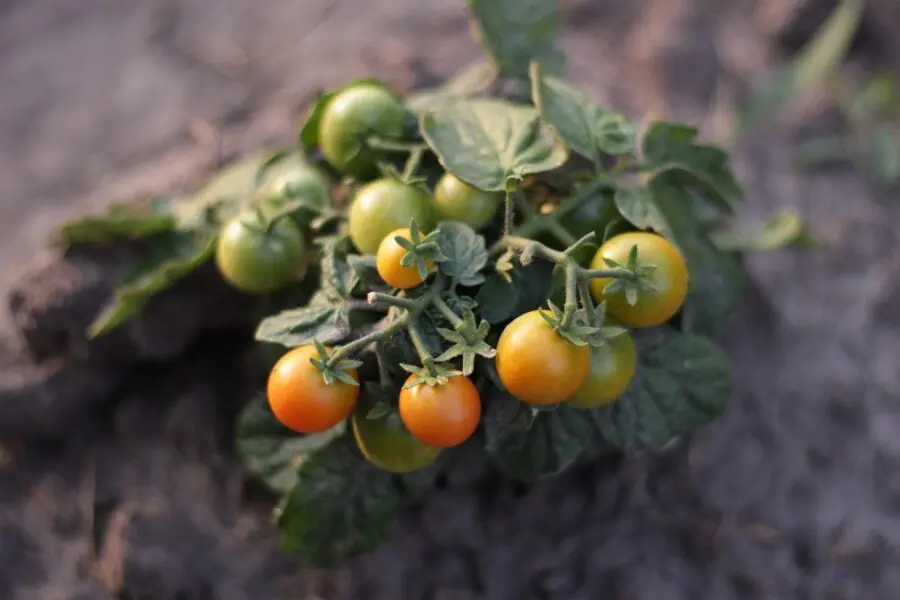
<point x="388" y="300"/>
<point x="384" y="376"/>
<point x="521" y="244"/>
<point x="571" y="304"/>
<point x="416" y="336"/>
<point x="507" y="214"/>
<point x="584" y="288"/>
<point x="412" y="163"/>
<point x="380" y="334"/>
<point x="447" y="312"/>
<point x="606" y="273"/>
<point x="574" y="246"/>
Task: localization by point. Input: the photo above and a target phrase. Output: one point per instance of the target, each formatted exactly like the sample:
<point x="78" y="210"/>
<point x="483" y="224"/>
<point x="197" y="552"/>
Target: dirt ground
<point x="117" y="474"/>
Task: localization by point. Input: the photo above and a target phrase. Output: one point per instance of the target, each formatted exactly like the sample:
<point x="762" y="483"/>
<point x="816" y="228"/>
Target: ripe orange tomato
<point x="653" y="307"/>
<point x="536" y="364"/>
<point x="444" y="415"/>
<point x="387" y="262"/>
<point x="302" y="400"/>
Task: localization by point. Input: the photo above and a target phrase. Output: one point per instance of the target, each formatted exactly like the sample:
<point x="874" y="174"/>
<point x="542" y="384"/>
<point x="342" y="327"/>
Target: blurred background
<point x="795" y="495"/>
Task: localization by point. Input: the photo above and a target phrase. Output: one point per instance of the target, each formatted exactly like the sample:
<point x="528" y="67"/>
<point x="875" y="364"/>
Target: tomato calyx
<point x="432" y="375"/>
<point x="468" y="338"/>
<point x="421" y="251"/>
<point x="634" y="279"/>
<point x="333" y="367"/>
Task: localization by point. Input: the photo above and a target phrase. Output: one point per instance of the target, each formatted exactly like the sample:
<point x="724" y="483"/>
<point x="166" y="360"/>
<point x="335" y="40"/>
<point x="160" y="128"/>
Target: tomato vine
<point x="427" y="322"/>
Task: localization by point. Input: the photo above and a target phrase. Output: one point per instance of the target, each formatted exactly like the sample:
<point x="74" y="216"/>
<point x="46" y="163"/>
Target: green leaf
<point x="818" y="58"/>
<point x="638" y="206"/>
<point x="121" y="221"/>
<point x="465" y="253"/>
<point x="326" y="323"/>
<point x="340" y="507"/>
<point x="590" y="130"/>
<point x="883" y="158"/>
<point x="516" y="32"/>
<point x="225" y="195"/>
<point x="271" y="451"/>
<point x="672" y="149"/>
<point x="337" y="279"/>
<point x="475" y="79"/>
<point x="490" y="143"/>
<point x="716" y="282"/>
<point x="168" y="258"/>
<point x="308" y="136"/>
<point x="499" y="300"/>
<point x="782" y="230"/>
<point x="683" y="382"/>
<point x="365" y="271"/>
<point x="528" y="446"/>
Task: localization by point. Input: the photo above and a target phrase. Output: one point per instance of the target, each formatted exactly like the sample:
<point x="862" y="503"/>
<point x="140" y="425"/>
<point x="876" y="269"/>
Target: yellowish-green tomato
<point x="385" y="205"/>
<point x="386" y="443"/>
<point x="456" y="200"/>
<point x="613" y="366"/>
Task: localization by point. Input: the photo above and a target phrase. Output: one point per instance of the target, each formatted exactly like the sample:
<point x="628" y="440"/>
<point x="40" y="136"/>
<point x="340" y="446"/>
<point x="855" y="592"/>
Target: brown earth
<point x="117" y="474"/>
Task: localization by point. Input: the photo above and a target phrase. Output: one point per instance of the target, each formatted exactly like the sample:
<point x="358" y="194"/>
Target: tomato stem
<point x="587" y="300"/>
<point x="379" y="334"/>
<point x="447" y="312"/>
<point x="425" y="357"/>
<point x="617" y="273"/>
<point x="388" y="300"/>
<point x="571" y="304"/>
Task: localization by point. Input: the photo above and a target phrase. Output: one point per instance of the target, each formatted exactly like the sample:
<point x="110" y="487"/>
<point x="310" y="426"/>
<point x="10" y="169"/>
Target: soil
<point x="118" y="478"/>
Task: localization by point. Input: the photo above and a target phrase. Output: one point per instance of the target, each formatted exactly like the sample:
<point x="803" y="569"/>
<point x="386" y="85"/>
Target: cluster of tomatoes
<point x="535" y="363"/>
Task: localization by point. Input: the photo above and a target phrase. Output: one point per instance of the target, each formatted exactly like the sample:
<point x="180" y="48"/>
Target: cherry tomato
<point x="456" y="200"/>
<point x="443" y="415"/>
<point x="387" y="262"/>
<point x="386" y="443"/>
<point x="536" y="364"/>
<point x="256" y="260"/>
<point x="386" y="205"/>
<point x="301" y="399"/>
<point x="350" y="116"/>
<point x="612" y="368"/>
<point x="653" y="307"/>
<point x="293" y="179"/>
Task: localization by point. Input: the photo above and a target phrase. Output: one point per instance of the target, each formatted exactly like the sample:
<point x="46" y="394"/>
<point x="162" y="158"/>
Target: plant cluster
<point x="495" y="271"/>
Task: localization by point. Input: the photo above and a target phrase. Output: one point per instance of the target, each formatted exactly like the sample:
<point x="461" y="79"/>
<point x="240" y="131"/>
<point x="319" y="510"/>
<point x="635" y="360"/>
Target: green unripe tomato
<point x="456" y="200"/>
<point x="295" y="180"/>
<point x="353" y="114"/>
<point x="385" y="205"/>
<point x="259" y="261"/>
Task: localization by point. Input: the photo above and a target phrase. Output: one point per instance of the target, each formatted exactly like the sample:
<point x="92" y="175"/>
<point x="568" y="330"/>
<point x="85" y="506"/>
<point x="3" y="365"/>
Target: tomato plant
<point x="559" y="277"/>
